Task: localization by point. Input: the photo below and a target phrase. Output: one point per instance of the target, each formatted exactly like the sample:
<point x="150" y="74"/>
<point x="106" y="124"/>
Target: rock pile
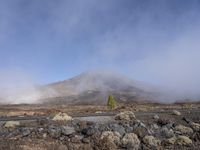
<point x="126" y="132"/>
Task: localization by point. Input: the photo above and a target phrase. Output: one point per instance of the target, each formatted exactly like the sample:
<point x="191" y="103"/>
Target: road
<point x="106" y="114"/>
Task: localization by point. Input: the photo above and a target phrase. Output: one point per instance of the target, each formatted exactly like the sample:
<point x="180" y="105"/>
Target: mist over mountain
<point x="93" y="87"/>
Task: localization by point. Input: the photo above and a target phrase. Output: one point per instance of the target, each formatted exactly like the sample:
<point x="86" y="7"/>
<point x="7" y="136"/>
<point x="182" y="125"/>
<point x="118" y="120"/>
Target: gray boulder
<point x="54" y="132"/>
<point x="90" y="131"/>
<point x="25" y="132"/>
<point x="117" y="128"/>
<point x="168" y="133"/>
<point x="156" y="117"/>
<point x="66" y="130"/>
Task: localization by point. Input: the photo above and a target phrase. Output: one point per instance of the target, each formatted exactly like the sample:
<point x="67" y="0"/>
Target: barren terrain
<point x="95" y="127"/>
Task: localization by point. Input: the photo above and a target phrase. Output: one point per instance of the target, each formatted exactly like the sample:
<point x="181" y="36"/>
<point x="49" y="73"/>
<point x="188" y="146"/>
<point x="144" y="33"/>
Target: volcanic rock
<point x="117" y="128"/>
<point x="113" y="137"/>
<point x="66" y="130"/>
<point x="168" y="133"/>
<point x="195" y="126"/>
<point x="151" y="141"/>
<point x="54" y="132"/>
<point x="76" y="139"/>
<point x="170" y="141"/>
<point x="126" y="115"/>
<point x="183" y="130"/>
<point x="11" y="124"/>
<point x="62" y="117"/>
<point x="196" y="136"/>
<point x="140" y="131"/>
<point x="184" y="140"/>
<point x="25" y="131"/>
<point x="187" y="120"/>
<point x="156" y="117"/>
<point x="175" y="112"/>
<point x="131" y="141"/>
<point x="164" y="121"/>
<point x="89" y="131"/>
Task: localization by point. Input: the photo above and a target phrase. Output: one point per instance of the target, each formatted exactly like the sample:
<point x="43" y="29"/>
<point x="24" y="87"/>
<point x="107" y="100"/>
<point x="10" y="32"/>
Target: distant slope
<point x="94" y="88"/>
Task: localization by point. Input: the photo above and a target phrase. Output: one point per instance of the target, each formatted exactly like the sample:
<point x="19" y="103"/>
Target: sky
<point x="155" y="41"/>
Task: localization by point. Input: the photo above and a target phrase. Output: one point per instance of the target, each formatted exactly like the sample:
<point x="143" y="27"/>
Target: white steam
<point x="17" y="87"/>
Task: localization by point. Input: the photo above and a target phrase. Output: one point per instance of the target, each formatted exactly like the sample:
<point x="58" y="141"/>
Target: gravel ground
<point x="128" y="127"/>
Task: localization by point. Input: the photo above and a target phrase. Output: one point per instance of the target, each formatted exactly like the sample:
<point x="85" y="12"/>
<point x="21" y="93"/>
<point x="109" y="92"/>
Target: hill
<point x="94" y="87"/>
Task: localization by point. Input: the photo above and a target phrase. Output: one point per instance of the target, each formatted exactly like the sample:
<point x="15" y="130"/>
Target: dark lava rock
<point x="89" y="131"/>
<point x="196" y="136"/>
<point x="154" y="126"/>
<point x="170" y="125"/>
<point x="76" y="139"/>
<point x="156" y="117"/>
<point x="13" y="133"/>
<point x="118" y="128"/>
<point x="66" y="130"/>
<point x="83" y="125"/>
<point x="86" y="140"/>
<point x="4" y="133"/>
<point x="128" y="128"/>
<point x="42" y="122"/>
<point x="186" y="120"/>
<point x="140" y="131"/>
<point x="2" y="123"/>
<point x="62" y="138"/>
<point x="103" y="127"/>
<point x="25" y="131"/>
<point x="54" y="132"/>
<point x="168" y="133"/>
<point x="139" y="124"/>
<point x="40" y="130"/>
<point x="164" y="121"/>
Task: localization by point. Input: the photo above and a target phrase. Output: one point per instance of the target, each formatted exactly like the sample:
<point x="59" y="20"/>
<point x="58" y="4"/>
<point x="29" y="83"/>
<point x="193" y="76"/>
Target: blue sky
<point x="150" y="40"/>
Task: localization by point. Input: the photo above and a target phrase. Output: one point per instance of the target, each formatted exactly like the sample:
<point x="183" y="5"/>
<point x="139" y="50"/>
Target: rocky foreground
<point x="124" y="131"/>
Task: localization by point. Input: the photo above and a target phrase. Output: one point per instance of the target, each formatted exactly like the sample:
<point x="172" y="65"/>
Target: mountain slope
<point x="94" y="88"/>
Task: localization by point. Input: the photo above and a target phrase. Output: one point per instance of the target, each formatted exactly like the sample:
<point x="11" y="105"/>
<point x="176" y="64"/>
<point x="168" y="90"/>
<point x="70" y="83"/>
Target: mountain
<point x="94" y="87"/>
